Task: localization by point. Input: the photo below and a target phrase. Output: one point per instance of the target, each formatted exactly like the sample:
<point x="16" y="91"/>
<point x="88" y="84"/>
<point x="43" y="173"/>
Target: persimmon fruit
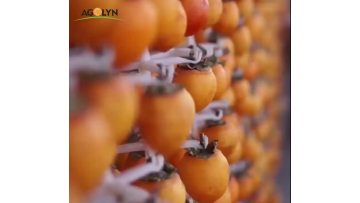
<point x="225" y="133"/>
<point x="115" y="97"/>
<point x="256" y="24"/>
<point x="250" y="106"/>
<point x="234" y="189"/>
<point x="241" y="89"/>
<point x="172" y="22"/>
<point x="90" y="141"/>
<point x="229" y="96"/>
<point x="166" y="117"/>
<point x="242" y="40"/>
<point x="225" y="198"/>
<point x="169" y="187"/>
<point x="132" y="36"/>
<point x="252" y="148"/>
<point x="221" y="80"/>
<point x="246" y="7"/>
<point x="215" y="11"/>
<point x="200" y="83"/>
<point x="236" y="153"/>
<point x="229" y="19"/>
<point x="205" y="174"/>
<point x="197" y="12"/>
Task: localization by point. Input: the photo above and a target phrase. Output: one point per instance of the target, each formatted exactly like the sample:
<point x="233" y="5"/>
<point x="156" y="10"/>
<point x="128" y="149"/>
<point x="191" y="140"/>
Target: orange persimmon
<point x="171" y="25"/>
<point x="225" y="198"/>
<point x="229" y="19"/>
<point x="225" y="133"/>
<point x="234" y="189"/>
<point x="229" y="96"/>
<point x="215" y="11"/>
<point x="205" y="174"/>
<point x="197" y="12"/>
<point x="131" y="36"/>
<point x="253" y="148"/>
<point x="222" y="81"/>
<point x="117" y="99"/>
<point x="90" y="141"/>
<point x="200" y="83"/>
<point x="242" y="40"/>
<point x="166" y="117"/>
<point x="169" y="189"/>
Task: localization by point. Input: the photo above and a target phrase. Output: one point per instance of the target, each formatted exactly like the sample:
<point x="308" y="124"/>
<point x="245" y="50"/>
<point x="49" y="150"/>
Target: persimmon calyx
<point x="163" y="174"/>
<point x="191" y="144"/>
<point x="204" y="152"/>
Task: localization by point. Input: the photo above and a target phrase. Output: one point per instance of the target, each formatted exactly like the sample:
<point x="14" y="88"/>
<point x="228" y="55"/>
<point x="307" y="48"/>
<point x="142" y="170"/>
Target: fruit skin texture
<point x="175" y="158"/>
<point x="241" y="90"/>
<point x="215" y="11"/>
<point x="226" y="134"/>
<point x="234" y="189"/>
<point x="242" y="60"/>
<point x="91" y="148"/>
<point x="76" y="195"/>
<point x="229" y="19"/>
<point x="170" y="190"/>
<point x="260" y="56"/>
<point x="252" y="149"/>
<point x="221" y="80"/>
<point x="229" y="65"/>
<point x="205" y="180"/>
<point x="236" y="153"/>
<point x="246" y="7"/>
<point x="250" y="106"/>
<point x="172" y="24"/>
<point x="229" y="96"/>
<point x="118" y="100"/>
<point x="246" y="187"/>
<point x="242" y="40"/>
<point x="197" y="12"/>
<point x="128" y="37"/>
<point x="165" y="121"/>
<point x="251" y="71"/>
<point x="256" y="25"/>
<point x="225" y="198"/>
<point x="201" y="84"/>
